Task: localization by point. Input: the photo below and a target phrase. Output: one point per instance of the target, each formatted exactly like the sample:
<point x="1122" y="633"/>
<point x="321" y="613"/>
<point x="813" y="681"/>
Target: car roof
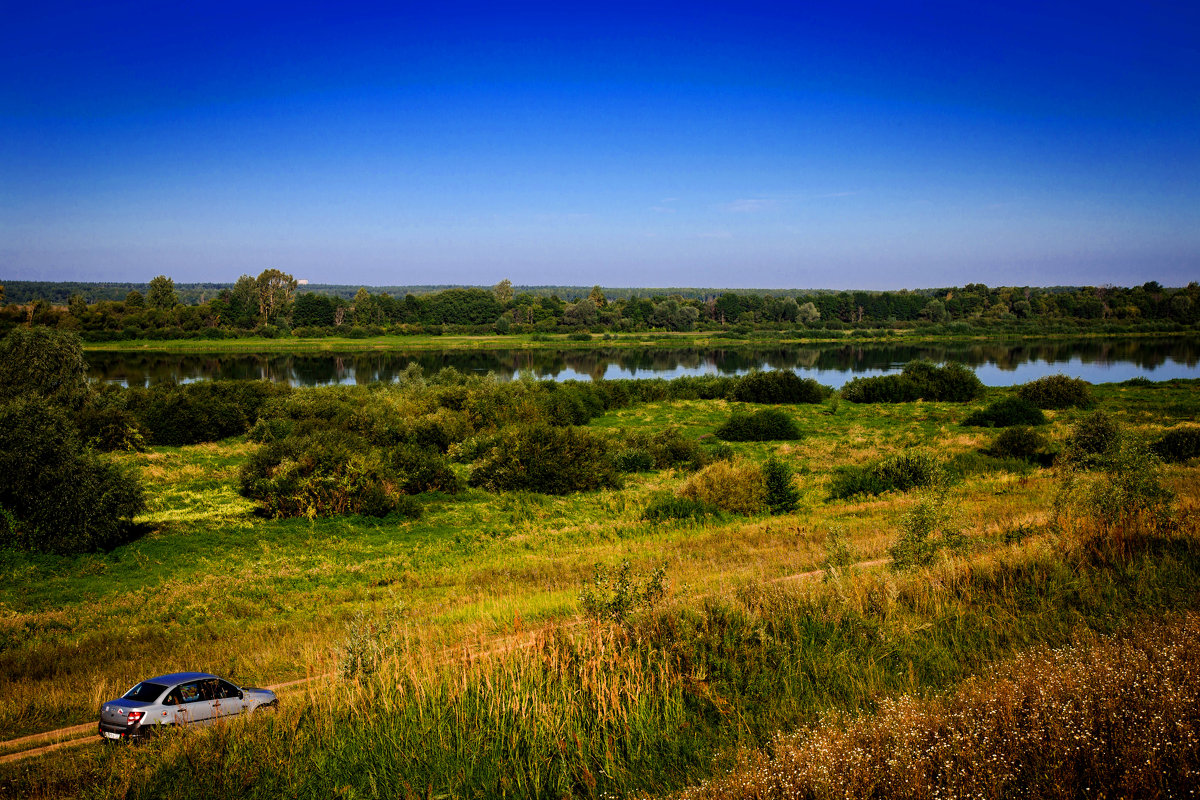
<point x="179" y="677"/>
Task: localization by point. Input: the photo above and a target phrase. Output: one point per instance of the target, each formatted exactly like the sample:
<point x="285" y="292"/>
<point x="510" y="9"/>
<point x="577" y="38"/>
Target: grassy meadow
<point x="449" y="655"/>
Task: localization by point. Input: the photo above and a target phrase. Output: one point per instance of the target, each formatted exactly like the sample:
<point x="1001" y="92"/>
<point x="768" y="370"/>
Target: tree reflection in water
<point x="998" y="363"/>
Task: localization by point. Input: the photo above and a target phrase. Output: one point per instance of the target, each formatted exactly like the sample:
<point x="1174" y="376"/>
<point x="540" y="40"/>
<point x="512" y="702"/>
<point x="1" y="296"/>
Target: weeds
<point x="613" y="596"/>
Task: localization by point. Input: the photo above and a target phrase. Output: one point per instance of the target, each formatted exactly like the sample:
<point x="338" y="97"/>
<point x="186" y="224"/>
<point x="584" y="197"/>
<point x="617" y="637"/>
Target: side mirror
<point x="241" y="695"/>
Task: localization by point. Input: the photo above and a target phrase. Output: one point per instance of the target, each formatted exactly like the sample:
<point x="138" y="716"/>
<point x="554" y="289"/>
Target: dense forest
<point x="275" y="304"/>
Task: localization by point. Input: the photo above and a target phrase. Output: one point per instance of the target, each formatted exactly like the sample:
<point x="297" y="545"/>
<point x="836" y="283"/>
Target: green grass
<point x="213" y="586"/>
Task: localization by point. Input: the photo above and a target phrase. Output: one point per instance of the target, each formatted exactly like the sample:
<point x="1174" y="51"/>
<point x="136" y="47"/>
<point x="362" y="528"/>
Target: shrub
<point x="333" y="472"/>
<point x="106" y="424"/>
<point x="736" y="487"/>
<point x="1005" y="413"/>
<point x="1057" y="391"/>
<point x="782" y="496"/>
<point x="45" y="363"/>
<point x="839" y="555"/>
<point x="897" y="473"/>
<point x="641" y="451"/>
<point x="615" y="596"/>
<point x="765" y="425"/>
<point x="919" y="380"/>
<point x="1125" y="490"/>
<point x="780" y="386"/>
<point x="930" y="527"/>
<point x="1020" y="441"/>
<point x="205" y="411"/>
<point x="58" y="495"/>
<point x="1091" y="438"/>
<point x="544" y="458"/>
<point x="665" y="506"/>
<point x="1178" y="445"/>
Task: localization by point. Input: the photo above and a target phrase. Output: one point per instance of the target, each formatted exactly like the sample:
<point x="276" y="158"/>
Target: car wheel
<point x="267" y="708"/>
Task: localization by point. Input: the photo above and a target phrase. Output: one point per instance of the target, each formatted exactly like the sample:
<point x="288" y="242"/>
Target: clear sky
<point x="792" y="145"/>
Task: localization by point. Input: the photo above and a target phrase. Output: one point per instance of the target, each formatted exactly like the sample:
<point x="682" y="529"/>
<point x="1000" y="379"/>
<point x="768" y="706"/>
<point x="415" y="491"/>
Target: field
<point x="449" y="656"/>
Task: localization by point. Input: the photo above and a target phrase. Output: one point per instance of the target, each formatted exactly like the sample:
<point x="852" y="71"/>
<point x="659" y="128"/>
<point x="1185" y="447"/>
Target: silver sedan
<point x="181" y="698"/>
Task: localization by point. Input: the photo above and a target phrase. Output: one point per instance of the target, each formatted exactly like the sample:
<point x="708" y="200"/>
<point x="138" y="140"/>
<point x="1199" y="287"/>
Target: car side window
<point x="174" y="697"/>
<point x="209" y="689"/>
<point x="227" y="690"/>
<point x="190" y="692"/>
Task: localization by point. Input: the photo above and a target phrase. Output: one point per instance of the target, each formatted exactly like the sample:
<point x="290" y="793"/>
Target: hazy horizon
<point x="879" y="146"/>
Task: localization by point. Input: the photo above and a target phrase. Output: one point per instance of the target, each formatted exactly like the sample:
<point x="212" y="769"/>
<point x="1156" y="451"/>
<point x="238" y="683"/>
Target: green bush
<point x="44" y="363"/>
<point x="613" y="596"/>
<point x="334" y="472"/>
<point x="1057" y="391"/>
<point x="641" y="451"/>
<point x="205" y="411"/>
<point x="1006" y="412"/>
<point x="919" y="380"/>
<point x="931" y="526"/>
<point x="782" y="496"/>
<point x="544" y="458"/>
<point x="1178" y="445"/>
<point x="764" y="425"/>
<point x="780" y="386"/>
<point x="665" y="506"/>
<point x="737" y="487"/>
<point x="59" y="496"/>
<point x="1092" y="438"/>
<point x="1020" y="441"/>
<point x="897" y="473"/>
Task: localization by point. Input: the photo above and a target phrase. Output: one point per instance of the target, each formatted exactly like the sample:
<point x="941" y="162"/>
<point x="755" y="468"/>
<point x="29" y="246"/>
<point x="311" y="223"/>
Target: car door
<point x="193" y="708"/>
<point x="228" y="702"/>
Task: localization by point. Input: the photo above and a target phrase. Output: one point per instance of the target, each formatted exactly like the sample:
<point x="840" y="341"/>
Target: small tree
<point x="134" y="301"/>
<point x="503" y="291"/>
<point x="41" y="362"/>
<point x="161" y="293"/>
<point x="275" y="290"/>
<point x="782" y="497"/>
<point x="56" y="495"/>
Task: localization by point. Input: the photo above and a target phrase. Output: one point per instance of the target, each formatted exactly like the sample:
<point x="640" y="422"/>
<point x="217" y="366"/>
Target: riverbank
<point x="535" y="341"/>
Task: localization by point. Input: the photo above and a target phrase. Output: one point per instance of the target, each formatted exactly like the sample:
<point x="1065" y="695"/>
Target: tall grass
<point x="660" y="703"/>
<point x="1116" y="716"/>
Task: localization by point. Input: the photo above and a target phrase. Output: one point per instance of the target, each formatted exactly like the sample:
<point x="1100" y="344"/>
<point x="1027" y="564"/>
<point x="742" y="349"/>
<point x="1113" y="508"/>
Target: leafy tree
<point x="596" y="295"/>
<point x="161" y="293"/>
<point x="3" y="296"/>
<point x="503" y="291"/>
<point x="275" y="290"/>
<point x="77" y="305"/>
<point x="45" y="363"/>
<point x="134" y="301"/>
<point x="312" y="310"/>
<point x="243" y="302"/>
<point x="782" y="496"/>
<point x="55" y="494"/>
<point x="808" y="313"/>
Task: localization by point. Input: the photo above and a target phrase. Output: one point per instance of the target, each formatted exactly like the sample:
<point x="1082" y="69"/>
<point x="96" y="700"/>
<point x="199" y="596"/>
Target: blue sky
<point x="848" y="145"/>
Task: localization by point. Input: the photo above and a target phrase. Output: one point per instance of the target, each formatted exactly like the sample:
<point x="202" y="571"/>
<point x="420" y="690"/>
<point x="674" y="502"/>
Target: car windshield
<point x="144" y="692"/>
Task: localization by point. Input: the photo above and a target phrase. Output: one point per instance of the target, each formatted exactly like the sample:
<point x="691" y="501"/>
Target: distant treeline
<point x="274" y="304"/>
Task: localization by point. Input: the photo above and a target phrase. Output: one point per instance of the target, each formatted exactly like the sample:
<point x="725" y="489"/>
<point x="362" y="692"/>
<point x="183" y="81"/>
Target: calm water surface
<point x="997" y="364"/>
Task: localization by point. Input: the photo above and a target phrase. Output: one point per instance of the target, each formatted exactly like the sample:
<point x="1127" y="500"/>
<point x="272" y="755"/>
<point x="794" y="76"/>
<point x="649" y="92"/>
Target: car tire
<point x="267" y="708"/>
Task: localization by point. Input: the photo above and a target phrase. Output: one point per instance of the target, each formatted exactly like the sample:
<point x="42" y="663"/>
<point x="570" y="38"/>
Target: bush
<point x="737" y="487"/>
<point x="782" y="496"/>
<point x="1178" y="445"/>
<point x="1005" y="413"/>
<point x="205" y="411"/>
<point x="665" y="506"/>
<point x="780" y="386"/>
<point x="44" y="363"/>
<point x="643" y="451"/>
<point x="615" y="596"/>
<point x="59" y="496"/>
<point x="1092" y="438"/>
<point x="919" y="380"/>
<point x="333" y="472"/>
<point x="1020" y="441"/>
<point x="544" y="458"/>
<point x="1057" y="391"/>
<point x="930" y="527"/>
<point x="897" y="473"/>
<point x="765" y="425"/>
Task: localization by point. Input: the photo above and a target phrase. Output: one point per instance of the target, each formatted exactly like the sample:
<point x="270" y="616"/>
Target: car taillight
<point x="135" y="717"/>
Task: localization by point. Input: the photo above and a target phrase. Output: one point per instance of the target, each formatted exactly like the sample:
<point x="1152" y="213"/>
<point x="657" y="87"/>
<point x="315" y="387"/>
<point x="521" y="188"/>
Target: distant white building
<point x="302" y="282"/>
